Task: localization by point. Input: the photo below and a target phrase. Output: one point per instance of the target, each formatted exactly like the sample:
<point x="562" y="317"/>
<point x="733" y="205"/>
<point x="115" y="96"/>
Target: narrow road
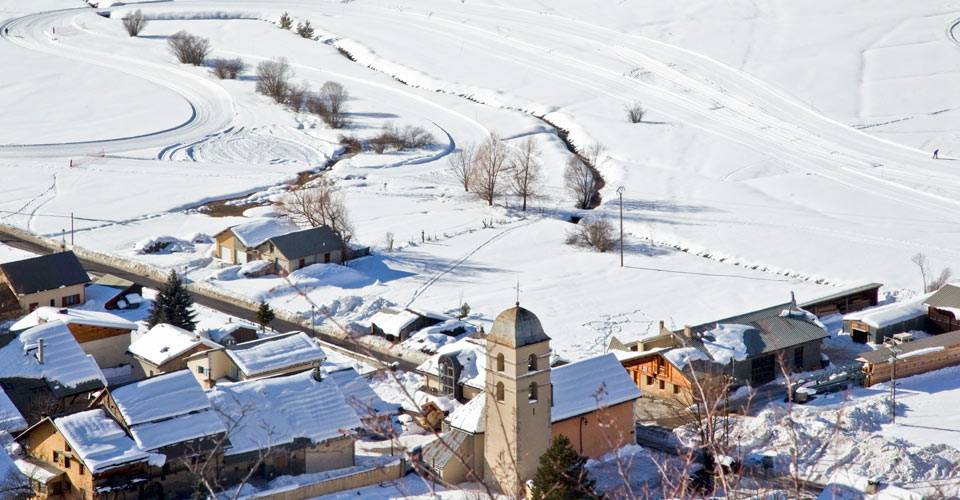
<point x="211" y="302"/>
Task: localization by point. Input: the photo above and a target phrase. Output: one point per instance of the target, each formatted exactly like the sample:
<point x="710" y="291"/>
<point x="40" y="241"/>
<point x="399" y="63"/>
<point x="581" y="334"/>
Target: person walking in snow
<point x="936" y="154"/>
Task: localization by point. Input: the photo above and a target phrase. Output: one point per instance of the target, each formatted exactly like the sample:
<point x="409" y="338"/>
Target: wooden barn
<point x="880" y="323"/>
<point x="848" y="301"/>
<point x="943" y="309"/>
<point x="912" y="358"/>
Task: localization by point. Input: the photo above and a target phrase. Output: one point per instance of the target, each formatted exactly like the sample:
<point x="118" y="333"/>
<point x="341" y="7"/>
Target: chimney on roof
<point x="661" y="325"/>
<point x="686" y="331"/>
<point x="317" y="373"/>
<point x="64" y="311"/>
<point x="40" y="350"/>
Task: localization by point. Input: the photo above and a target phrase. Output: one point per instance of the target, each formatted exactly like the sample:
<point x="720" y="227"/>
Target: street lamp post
<point x="620" y="192"/>
<point x="894" y="351"/>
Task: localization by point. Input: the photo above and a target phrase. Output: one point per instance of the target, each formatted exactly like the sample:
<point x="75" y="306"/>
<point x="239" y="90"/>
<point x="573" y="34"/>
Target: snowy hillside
<point x="786" y="146"/>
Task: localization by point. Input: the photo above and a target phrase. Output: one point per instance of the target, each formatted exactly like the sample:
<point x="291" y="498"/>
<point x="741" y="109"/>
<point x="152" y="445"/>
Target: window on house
<point x="33" y="306"/>
<point x="281" y="462"/>
<point x="500" y="395"/>
<point x="798" y="358"/>
<point x="71" y="300"/>
<point x="532" y="397"/>
<point x="80" y="467"/>
<point x="66" y="462"/>
<point x="649" y="380"/>
<point x="532" y="363"/>
<point x="676" y="389"/>
<point x="500" y="362"/>
<point x="53" y="303"/>
<point x="200" y="369"/>
<point x="448" y="377"/>
<point x="662" y="385"/>
<point x="326" y="258"/>
<point x="303" y="262"/>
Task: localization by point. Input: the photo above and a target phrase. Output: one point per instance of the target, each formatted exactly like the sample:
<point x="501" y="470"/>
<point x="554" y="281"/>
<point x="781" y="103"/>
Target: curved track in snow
<point x="212" y="108"/>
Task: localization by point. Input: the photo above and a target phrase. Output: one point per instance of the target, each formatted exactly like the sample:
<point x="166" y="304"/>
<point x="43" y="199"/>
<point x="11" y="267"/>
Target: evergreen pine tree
<point x="285" y="21"/>
<point x="561" y="474"/>
<point x="265" y="315"/>
<point x="173" y="305"/>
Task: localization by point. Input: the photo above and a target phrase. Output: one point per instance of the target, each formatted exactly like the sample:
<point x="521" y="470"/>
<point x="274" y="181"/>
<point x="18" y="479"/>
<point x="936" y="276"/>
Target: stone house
<point x="238" y="244"/>
<point x="298" y="249"/>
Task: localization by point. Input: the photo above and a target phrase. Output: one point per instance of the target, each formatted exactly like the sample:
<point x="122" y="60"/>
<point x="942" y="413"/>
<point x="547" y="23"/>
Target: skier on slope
<point x="936" y="154"/>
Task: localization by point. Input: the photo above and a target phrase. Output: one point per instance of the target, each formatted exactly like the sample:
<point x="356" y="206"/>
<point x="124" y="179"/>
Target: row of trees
<point x="275" y="80"/>
<point x="490" y="169"/>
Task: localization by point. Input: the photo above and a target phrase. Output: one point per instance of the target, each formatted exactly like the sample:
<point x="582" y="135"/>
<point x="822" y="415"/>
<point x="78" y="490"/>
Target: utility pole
<point x="894" y="351"/>
<point x="620" y="192"/>
<point x="71" y="229"/>
<point x="313" y="329"/>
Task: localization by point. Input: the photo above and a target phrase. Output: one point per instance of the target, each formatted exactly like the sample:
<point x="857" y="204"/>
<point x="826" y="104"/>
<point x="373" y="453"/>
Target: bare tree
<point x="921" y="261"/>
<point x="460" y="164"/>
<point x="635" y="112"/>
<point x="134" y="22"/>
<point x="490" y="163"/>
<point x="931" y="284"/>
<point x="333" y="110"/>
<point x="273" y="79"/>
<point x="580" y="182"/>
<point x="202" y="455"/>
<point x="526" y="169"/>
<point x="594" y="232"/>
<point x="319" y="205"/>
<point x="189" y="49"/>
<point x="228" y="68"/>
<point x="297" y="96"/>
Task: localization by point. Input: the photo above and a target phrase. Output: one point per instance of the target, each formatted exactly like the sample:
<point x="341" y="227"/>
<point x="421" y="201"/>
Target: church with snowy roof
<point x="498" y="435"/>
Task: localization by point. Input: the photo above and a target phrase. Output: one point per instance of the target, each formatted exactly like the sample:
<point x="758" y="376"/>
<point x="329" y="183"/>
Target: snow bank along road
<point x="211" y="106"/>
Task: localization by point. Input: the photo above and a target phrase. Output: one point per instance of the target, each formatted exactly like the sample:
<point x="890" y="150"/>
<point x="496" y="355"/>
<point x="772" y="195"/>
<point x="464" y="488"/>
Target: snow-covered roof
<point x="282" y="409"/>
<point x="359" y="394"/>
<point x="471" y="353"/>
<point x="160" y="397"/>
<point x="72" y="316"/>
<point x="10" y="418"/>
<point x="66" y="367"/>
<point x="682" y="356"/>
<point x="254" y="233"/>
<point x="891" y="314"/>
<point x="218" y="327"/>
<point x="275" y="353"/>
<point x="36" y="469"/>
<point x="392" y="321"/>
<point x="629" y="355"/>
<point x="726" y="342"/>
<point x="585" y="386"/>
<point x="100" y="442"/>
<point x="154" y="435"/>
<point x="165" y="342"/>
<point x="471" y="416"/>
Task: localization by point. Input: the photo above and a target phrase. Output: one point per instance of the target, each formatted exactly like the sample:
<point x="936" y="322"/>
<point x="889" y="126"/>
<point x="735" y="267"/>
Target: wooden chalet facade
<point x="912" y="358"/>
<point x="848" y="301"/>
<point x="943" y="309"/>
<point x="55" y="280"/>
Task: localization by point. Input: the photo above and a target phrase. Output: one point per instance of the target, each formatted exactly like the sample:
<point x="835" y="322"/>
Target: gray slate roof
<point x="948" y="296"/>
<point x="436" y="455"/>
<point x="313" y="241"/>
<point x="47" y="272"/>
<point x="771" y="332"/>
<point x="517" y="327"/>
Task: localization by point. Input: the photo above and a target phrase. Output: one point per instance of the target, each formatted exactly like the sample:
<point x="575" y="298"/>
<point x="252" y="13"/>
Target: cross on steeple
<point x="518" y="292"/>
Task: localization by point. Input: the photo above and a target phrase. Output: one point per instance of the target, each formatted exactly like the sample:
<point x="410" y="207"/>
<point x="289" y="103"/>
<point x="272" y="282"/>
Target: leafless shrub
<point x="321" y="205"/>
<point x="134" y="22"/>
<point x="409" y="137"/>
<point x="525" y="169"/>
<point x="286" y="22"/>
<point x="593" y="154"/>
<point x="297" y="96"/>
<point x="595" y="232"/>
<point x="490" y="163"/>
<point x="380" y="143"/>
<point x="189" y="49"/>
<point x="580" y="182"/>
<point x="351" y="143"/>
<point x="388" y="241"/>
<point x="305" y="30"/>
<point x="460" y="164"/>
<point x="635" y="112"/>
<point x="228" y="68"/>
<point x="273" y="79"/>
<point x="415" y="137"/>
<point x="940" y="280"/>
<point x="931" y="284"/>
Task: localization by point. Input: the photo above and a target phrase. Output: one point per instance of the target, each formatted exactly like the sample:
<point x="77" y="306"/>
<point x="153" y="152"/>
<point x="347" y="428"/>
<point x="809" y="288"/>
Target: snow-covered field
<point x="786" y="146"/>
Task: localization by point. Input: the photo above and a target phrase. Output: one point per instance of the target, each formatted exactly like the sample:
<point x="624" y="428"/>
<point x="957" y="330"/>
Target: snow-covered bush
<point x="189" y="49"/>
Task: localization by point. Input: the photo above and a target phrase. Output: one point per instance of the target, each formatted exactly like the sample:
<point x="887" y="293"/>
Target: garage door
<point x="241" y="257"/>
<point x="226" y="254"/>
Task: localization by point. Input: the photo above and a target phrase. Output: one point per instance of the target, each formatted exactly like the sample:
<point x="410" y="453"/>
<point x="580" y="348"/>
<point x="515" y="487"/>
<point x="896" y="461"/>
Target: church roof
<point x="517" y="327"/>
